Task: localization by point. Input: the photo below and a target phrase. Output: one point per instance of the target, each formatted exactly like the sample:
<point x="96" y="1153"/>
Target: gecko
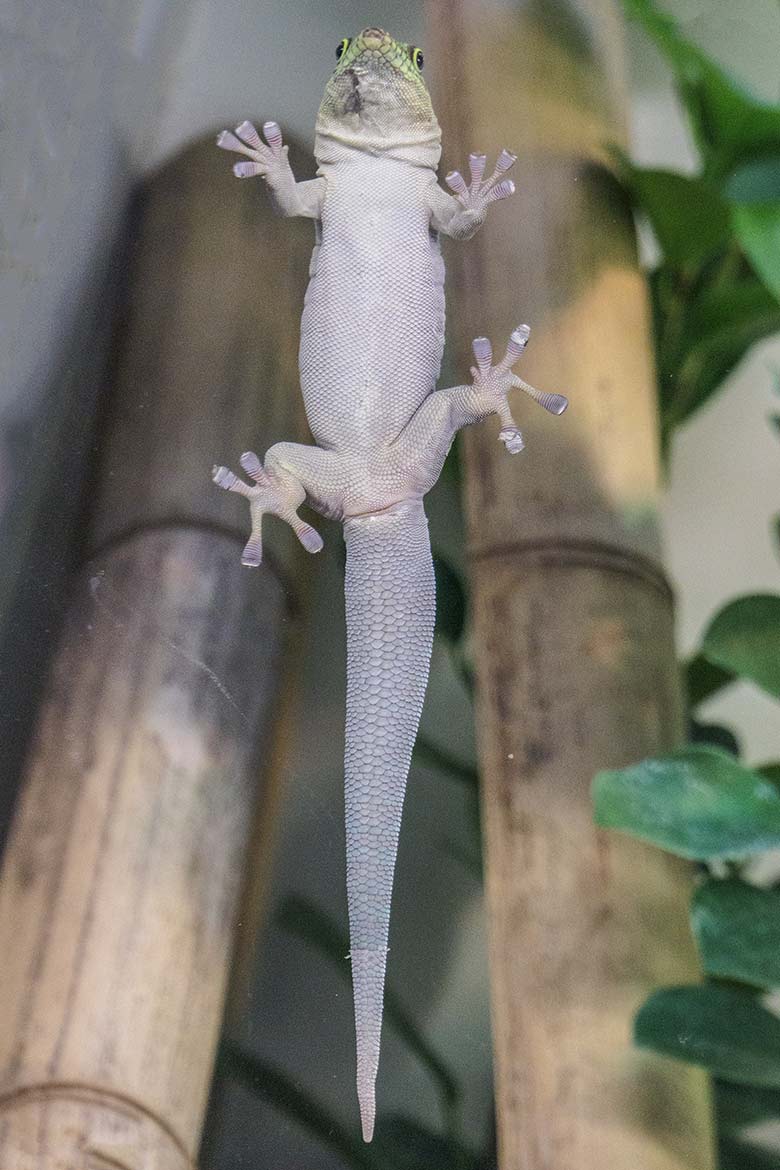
<point x="371" y="344"/>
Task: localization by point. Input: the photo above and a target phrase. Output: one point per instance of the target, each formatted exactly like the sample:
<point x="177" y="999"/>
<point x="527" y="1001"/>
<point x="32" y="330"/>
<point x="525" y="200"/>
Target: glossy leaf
<point x="757" y="181"/>
<point x="713" y="735"/>
<point x="689" y="218"/>
<point x="718" y="325"/>
<point x="730" y="124"/>
<point x="737" y="928"/>
<point x="757" y="227"/>
<point x="724" y="1029"/>
<point x="771" y="772"/>
<point x="734" y="1154"/>
<point x="699" y="803"/>
<point x="745" y="638"/>
<point x="704" y="679"/>
<point x="738" y="1107"/>
<point x="742" y="1105"/>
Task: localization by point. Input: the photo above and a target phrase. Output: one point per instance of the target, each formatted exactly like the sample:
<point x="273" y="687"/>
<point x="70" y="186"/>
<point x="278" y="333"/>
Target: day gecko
<point x="372" y="336"/>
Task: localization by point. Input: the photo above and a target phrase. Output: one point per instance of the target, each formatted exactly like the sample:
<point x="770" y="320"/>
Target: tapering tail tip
<point x="368" y="979"/>
<point x="367" y="1101"/>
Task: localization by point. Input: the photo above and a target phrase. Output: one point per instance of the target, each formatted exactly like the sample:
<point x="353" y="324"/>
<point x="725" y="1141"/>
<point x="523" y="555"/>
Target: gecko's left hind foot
<point x="265" y="495"/>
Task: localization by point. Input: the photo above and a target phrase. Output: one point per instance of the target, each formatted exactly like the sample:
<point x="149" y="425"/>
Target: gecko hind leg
<point x="498" y="379"/>
<point x="267" y="494"/>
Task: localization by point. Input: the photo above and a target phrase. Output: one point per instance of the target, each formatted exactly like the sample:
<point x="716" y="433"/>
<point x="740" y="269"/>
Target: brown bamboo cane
<point x="123" y="868"/>
<point x="572" y="613"/>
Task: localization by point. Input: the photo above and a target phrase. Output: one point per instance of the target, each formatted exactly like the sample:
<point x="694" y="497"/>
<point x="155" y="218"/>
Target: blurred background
<point x="95" y="100"/>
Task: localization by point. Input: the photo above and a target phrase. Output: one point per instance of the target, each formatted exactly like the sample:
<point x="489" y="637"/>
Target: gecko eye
<point x="417" y="58"/>
<point x="342" y="47"/>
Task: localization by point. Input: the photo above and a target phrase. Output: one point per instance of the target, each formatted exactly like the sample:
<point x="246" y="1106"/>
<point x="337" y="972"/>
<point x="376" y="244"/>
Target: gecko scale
<point x="372" y="337"/>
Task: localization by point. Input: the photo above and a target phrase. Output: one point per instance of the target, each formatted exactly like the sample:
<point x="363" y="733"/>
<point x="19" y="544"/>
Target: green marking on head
<point x="375" y="44"/>
<point x="377" y="90"/>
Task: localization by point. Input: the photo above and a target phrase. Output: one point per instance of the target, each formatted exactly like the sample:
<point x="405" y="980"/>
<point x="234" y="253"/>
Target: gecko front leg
<point x="460" y="215"/>
<point x="269" y="161"/>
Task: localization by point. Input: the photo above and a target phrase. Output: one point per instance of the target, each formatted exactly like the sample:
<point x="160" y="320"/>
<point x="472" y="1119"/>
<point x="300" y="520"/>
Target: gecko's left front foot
<point x="266" y="495"/>
<point x="496" y="381"/>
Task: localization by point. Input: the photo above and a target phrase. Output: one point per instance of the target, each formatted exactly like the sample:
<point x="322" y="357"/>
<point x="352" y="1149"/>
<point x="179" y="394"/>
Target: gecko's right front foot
<point x="265" y="495"/>
<point x="269" y="158"/>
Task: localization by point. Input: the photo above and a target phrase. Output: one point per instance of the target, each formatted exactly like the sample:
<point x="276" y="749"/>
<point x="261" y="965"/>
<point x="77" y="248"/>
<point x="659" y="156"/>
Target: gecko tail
<point x="368" y="980"/>
<point x="391" y="609"/>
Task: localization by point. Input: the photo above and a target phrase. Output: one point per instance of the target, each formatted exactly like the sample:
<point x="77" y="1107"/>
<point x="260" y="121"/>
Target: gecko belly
<point x="372" y="331"/>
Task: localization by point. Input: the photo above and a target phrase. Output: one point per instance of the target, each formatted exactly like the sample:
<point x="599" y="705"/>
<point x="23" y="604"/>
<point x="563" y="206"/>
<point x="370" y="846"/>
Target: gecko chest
<point x="373" y="326"/>
<point x="375" y="231"/>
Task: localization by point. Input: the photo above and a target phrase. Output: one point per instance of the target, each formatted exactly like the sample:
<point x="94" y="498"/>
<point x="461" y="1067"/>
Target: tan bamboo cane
<point x="122" y="871"/>
<point x="572" y="613"/>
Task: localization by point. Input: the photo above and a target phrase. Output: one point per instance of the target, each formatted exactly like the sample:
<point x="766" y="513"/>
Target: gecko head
<point x="376" y="100"/>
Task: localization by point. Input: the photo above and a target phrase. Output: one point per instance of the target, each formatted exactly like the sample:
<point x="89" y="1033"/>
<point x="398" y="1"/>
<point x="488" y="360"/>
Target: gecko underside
<point x="375" y="300"/>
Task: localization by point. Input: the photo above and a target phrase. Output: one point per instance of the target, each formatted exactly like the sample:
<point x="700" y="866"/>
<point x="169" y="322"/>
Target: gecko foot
<point x="476" y="195"/>
<point x="266" y="156"/>
<point x="265" y="495"/>
<point x="497" y="380"/>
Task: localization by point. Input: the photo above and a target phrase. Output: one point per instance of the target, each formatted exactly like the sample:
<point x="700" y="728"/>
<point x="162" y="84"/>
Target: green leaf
<point x="745" y="639"/>
<point x="742" y="1105"/>
<point x="771" y="772"/>
<point x="737" y="1107"/>
<point x="689" y="218"/>
<point x="704" y="679"/>
<point x="742" y="1155"/>
<point x="713" y="735"/>
<point x="730" y="124"/>
<point x="724" y="1029"/>
<point x="757" y="181"/>
<point x="717" y="326"/>
<point x="737" y="928"/>
<point x="698" y="802"/>
<point x="757" y="227"/>
<point x="450" y="600"/>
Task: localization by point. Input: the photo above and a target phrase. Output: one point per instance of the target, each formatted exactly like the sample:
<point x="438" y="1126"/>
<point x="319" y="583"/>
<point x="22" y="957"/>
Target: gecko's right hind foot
<point x="265" y="495"/>
<point x="497" y="380"/>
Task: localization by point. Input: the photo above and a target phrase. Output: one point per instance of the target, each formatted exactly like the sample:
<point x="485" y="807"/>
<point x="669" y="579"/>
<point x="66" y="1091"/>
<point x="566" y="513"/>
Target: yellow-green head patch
<point x="376" y="98"/>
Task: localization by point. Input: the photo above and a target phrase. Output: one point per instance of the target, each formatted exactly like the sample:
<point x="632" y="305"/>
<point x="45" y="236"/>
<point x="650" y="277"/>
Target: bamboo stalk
<point x="123" y="868"/>
<point x="573" y="616"/>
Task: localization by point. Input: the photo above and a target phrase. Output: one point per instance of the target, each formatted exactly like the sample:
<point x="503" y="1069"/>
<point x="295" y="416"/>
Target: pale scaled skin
<point x="372" y="336"/>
